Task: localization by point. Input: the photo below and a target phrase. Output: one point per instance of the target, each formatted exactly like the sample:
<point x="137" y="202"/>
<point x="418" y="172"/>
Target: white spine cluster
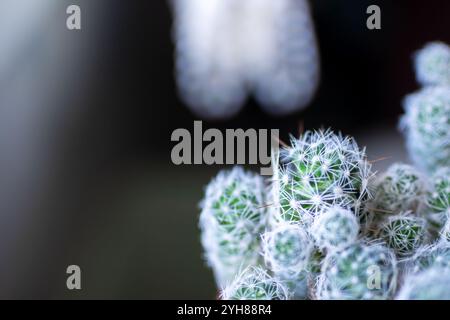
<point x="231" y="221"/>
<point x="401" y="188"/>
<point x="445" y="233"/>
<point x="321" y="170"/>
<point x="433" y="64"/>
<point x="336" y="229"/>
<point x="227" y="49"/>
<point x="426" y="124"/>
<point x="287" y="250"/>
<point x="367" y="272"/>
<point x="404" y="233"/>
<point x="254" y="283"/>
<point x="430" y="284"/>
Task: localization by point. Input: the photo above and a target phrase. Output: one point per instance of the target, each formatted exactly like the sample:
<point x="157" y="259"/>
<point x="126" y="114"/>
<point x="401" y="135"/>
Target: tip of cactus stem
<point x="231" y="220"/>
<point x="255" y="283"/>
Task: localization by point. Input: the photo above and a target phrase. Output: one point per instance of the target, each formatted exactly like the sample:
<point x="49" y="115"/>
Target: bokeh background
<point x="85" y="124"/>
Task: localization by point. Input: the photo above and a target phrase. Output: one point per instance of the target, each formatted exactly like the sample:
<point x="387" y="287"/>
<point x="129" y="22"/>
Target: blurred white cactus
<point x="432" y="64"/>
<point x="254" y="283"/>
<point x="438" y="199"/>
<point x="226" y="49"/>
<point x="430" y="284"/>
<point x="231" y="221"/>
<point x="437" y="254"/>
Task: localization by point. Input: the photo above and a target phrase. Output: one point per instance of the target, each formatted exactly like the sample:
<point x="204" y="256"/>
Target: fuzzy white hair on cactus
<point x="430" y="284"/>
<point x="231" y="221"/>
<point x="321" y="169"/>
<point x="359" y="272"/>
<point x="287" y="249"/>
<point x="255" y="283"/>
<point x="426" y="126"/>
<point x="432" y="64"/>
<point x="335" y="229"/>
<point x="227" y="49"/>
<point x="404" y="233"/>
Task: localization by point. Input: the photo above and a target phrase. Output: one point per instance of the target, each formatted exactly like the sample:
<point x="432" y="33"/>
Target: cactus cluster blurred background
<point x="85" y="171"/>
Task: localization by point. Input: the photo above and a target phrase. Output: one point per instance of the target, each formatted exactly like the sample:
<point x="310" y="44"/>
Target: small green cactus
<point x="254" y="283"/>
<point x="360" y="271"/>
<point x="433" y="64"/>
<point x="336" y="229"/>
<point x="401" y="188"/>
<point x="231" y="221"/>
<point x="321" y="170"/>
<point x="426" y="124"/>
<point x="430" y="284"/>
<point x="404" y="233"/>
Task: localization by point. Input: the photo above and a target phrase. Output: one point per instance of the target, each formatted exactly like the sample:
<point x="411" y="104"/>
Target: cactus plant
<point x="404" y="233"/>
<point x="360" y="271"/>
<point x="231" y="221"/>
<point x="287" y="250"/>
<point x="320" y="170"/>
<point x="433" y="64"/>
<point x="426" y="124"/>
<point x="254" y="283"/>
<point x="401" y="188"/>
<point x="336" y="229"/>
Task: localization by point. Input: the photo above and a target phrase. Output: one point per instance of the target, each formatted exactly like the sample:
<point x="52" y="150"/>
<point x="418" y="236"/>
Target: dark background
<point x="105" y="196"/>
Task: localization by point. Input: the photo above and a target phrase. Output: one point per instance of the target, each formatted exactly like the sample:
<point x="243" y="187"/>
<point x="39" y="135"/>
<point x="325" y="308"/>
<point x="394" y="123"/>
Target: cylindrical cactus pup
<point x="287" y="249"/>
<point x="254" y="283"/>
<point x="430" y="284"/>
<point x="401" y="188"/>
<point x="231" y="222"/>
<point x="426" y="124"/>
<point x="403" y="233"/>
<point x="335" y="229"/>
<point x="431" y="255"/>
<point x="433" y="64"/>
<point x="358" y="272"/>
<point x="321" y="170"/>
<point x="438" y="199"/>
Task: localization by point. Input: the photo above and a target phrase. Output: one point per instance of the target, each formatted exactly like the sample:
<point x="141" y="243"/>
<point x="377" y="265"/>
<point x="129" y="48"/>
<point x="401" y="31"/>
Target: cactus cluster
<point x="326" y="227"/>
